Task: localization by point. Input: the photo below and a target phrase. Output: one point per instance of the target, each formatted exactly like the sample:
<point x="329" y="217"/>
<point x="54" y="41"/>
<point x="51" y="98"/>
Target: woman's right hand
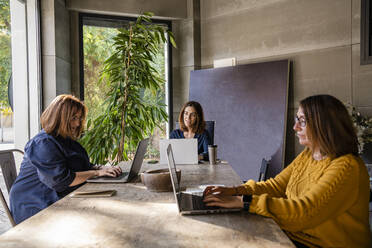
<point x="111" y="171"/>
<point x="219" y="190"/>
<point x="224" y="201"/>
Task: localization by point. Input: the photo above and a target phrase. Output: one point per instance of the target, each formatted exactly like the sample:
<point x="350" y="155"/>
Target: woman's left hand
<point x="225" y="201"/>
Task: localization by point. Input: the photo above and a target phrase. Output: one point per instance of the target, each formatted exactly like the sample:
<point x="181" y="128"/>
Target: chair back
<point x="8" y="166"/>
<point x="6" y="208"/>
<point x="209" y="127"/>
<point x="9" y="171"/>
<point x="263" y="170"/>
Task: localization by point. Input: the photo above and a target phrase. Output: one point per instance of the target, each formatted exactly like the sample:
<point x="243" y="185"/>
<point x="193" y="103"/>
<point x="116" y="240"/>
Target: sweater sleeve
<point x="274" y="187"/>
<point x="332" y="194"/>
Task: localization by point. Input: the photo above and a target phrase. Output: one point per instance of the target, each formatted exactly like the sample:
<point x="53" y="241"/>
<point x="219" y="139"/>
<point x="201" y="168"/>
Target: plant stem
<point x="124" y="105"/>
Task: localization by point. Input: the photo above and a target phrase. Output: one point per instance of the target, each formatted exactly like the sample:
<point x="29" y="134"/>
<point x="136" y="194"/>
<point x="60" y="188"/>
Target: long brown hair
<point x="329" y="126"/>
<point x="55" y="120"/>
<point x="199" y="125"/>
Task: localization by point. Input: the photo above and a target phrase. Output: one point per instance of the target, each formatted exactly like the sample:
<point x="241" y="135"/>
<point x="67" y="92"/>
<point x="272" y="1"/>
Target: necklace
<point x="319" y="156"/>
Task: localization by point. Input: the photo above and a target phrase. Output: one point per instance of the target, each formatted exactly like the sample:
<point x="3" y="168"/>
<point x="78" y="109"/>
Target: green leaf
<point x="171" y="39"/>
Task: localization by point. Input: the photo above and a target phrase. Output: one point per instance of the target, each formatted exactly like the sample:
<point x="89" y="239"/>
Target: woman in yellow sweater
<point x="321" y="198"/>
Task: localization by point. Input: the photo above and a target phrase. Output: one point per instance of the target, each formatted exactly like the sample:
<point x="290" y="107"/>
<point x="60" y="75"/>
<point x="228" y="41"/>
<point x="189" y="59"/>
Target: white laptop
<point x="189" y="203"/>
<point x="185" y="150"/>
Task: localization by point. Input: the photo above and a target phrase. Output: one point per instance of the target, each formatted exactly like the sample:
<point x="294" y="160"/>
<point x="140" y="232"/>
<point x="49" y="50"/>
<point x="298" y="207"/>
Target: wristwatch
<point x="247" y="199"/>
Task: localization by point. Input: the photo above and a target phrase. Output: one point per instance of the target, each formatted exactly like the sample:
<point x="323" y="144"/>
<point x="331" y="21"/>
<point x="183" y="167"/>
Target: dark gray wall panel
<point x="249" y="105"/>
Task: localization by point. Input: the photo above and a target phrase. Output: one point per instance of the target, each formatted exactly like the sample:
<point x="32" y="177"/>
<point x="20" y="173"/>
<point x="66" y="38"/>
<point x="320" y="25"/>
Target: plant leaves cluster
<point x="129" y="72"/>
<point x="363" y="126"/>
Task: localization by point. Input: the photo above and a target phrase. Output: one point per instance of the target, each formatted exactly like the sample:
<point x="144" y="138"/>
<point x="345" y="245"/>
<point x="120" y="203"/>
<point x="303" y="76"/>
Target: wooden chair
<point x="9" y="171"/>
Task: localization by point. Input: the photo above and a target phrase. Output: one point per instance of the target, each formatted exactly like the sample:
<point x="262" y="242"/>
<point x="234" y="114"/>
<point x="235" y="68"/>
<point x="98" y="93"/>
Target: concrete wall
<point x="187" y="56"/>
<point x="56" y="55"/>
<point x="320" y="37"/>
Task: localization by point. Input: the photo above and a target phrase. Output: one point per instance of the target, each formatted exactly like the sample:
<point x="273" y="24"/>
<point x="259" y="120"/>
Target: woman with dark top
<point x="321" y="198"/>
<point x="192" y="125"/>
<point x="54" y="163"/>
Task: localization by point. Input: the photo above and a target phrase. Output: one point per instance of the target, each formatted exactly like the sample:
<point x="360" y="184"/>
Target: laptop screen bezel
<point x="173" y="175"/>
<point x="138" y="158"/>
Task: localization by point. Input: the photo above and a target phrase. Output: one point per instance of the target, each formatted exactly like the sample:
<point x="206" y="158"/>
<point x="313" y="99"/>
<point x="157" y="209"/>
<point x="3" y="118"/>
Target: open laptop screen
<point x="172" y="169"/>
<point x="138" y="158"/>
<point x="185" y="151"/>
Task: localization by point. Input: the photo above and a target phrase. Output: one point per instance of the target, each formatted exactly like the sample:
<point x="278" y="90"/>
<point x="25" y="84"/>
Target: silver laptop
<point x="134" y="169"/>
<point x="185" y="150"/>
<point x="187" y="202"/>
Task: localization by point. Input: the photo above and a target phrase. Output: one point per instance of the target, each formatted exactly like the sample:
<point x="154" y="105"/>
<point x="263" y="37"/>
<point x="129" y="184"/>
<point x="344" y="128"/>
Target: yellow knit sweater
<point x="319" y="203"/>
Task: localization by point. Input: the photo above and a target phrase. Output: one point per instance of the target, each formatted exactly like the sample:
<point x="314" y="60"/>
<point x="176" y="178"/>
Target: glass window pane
<point x="97" y="47"/>
<point x="6" y="113"/>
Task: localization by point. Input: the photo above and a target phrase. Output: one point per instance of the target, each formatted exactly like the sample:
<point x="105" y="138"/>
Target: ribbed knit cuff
<point x="253" y="205"/>
<point x="243" y="190"/>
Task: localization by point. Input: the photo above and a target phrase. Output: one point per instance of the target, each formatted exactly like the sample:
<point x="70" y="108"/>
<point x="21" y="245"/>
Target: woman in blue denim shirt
<point x="54" y="163"/>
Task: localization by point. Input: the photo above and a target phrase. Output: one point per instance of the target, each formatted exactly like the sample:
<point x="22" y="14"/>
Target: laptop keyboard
<point x="196" y="202"/>
<point x="124" y="174"/>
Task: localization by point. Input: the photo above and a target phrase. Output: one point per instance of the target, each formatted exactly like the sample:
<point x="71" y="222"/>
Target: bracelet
<point x="247" y="199"/>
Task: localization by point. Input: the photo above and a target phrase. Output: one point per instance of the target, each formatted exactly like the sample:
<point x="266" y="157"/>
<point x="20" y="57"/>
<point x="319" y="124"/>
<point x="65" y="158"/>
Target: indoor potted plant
<point x="130" y="73"/>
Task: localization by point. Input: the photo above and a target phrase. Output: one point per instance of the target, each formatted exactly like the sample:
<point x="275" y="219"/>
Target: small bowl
<point x="158" y="180"/>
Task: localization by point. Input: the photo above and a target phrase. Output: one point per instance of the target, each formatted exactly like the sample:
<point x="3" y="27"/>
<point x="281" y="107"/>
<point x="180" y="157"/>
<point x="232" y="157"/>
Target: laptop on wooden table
<point x="134" y="168"/>
<point x="185" y="151"/>
<point x="187" y="202"/>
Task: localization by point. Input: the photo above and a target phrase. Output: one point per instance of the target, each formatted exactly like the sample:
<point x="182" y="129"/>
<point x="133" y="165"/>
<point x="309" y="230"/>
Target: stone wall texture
<point x="320" y="37"/>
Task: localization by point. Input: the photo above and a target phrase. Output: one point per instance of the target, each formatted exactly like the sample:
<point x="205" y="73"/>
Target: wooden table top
<point x="136" y="217"/>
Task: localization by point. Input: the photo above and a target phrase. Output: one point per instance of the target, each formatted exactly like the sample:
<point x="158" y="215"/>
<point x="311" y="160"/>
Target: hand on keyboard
<point x="110" y="171"/>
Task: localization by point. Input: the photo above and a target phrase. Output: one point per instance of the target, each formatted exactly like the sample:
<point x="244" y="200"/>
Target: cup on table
<point x="212" y="154"/>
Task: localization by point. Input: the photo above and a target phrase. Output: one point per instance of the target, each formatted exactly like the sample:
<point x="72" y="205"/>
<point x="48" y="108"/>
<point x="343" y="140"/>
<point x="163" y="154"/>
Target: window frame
<point x="169" y="76"/>
<point x="26" y="53"/>
<point x="365" y="33"/>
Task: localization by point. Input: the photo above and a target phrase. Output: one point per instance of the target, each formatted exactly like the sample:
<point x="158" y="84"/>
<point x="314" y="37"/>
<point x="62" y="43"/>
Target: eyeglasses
<point x="300" y="120"/>
<point x="75" y="118"/>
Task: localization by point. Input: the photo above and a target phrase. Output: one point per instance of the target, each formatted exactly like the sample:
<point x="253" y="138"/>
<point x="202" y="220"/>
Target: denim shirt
<point x="47" y="170"/>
